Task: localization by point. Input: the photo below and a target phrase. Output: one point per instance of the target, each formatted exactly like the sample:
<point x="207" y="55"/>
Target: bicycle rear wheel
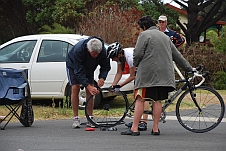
<point x="108" y="113"/>
<point x="211" y="105"/>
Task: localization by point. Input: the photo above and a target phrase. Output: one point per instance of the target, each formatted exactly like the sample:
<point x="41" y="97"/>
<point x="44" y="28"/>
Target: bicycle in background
<point x="199" y="108"/>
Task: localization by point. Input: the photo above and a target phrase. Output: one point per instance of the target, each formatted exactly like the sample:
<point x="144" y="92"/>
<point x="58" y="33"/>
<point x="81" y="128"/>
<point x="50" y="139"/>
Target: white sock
<point x="76" y="117"/>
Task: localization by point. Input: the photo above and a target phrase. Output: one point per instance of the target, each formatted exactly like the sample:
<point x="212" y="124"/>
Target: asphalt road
<point x="57" y="135"/>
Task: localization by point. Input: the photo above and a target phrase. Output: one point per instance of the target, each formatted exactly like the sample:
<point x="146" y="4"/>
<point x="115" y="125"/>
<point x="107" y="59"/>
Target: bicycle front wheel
<point x="207" y="116"/>
<point x="109" y="113"/>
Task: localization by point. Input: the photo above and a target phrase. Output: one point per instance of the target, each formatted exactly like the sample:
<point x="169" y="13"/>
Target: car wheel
<point x="67" y="94"/>
<point x="82" y="99"/>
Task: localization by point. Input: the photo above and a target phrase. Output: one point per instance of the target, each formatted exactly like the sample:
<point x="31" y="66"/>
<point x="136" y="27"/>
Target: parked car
<point x="44" y="55"/>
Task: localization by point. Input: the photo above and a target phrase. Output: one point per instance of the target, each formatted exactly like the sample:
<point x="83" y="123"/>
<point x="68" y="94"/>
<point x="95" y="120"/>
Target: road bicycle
<point x="199" y="108"/>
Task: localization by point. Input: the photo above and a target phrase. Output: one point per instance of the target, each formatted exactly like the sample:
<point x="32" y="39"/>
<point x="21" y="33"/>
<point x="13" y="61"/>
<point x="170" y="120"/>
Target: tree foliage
<point x="39" y="12"/>
<point x="155" y="8"/>
<point x="201" y="15"/>
<point x="13" y="20"/>
<point x="219" y="43"/>
<point x="28" y="16"/>
<point x="56" y="29"/>
<point x="112" y="24"/>
<point x="68" y="12"/>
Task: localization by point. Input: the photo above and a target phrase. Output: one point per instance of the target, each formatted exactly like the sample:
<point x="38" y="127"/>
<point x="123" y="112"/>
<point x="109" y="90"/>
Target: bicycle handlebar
<point x="196" y="73"/>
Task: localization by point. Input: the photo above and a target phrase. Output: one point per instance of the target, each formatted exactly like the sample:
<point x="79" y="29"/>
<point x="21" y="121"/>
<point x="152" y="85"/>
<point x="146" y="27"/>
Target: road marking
<point x="192" y="118"/>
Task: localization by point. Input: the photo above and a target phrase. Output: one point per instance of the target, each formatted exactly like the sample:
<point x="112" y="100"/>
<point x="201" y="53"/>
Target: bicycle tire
<point x="212" y="110"/>
<point x="108" y="113"/>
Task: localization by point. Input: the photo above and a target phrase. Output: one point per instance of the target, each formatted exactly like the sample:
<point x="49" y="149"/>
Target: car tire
<point x="67" y="94"/>
<point x="82" y="99"/>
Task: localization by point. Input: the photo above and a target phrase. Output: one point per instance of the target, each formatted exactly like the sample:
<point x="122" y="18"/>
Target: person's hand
<point x="100" y="82"/>
<point x="115" y="88"/>
<point x="93" y="90"/>
<point x="111" y="88"/>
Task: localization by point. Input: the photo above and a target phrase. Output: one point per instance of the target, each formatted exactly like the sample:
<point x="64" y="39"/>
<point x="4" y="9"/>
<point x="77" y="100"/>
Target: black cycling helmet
<point x="114" y="49"/>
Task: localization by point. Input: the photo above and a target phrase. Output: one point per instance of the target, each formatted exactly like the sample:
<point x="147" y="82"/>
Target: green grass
<point x="53" y="113"/>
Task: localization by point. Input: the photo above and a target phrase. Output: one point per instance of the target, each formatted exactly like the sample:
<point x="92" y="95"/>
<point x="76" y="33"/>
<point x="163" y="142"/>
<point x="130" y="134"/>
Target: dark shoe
<point x="155" y="133"/>
<point x="130" y="132"/>
<point x="129" y="125"/>
<point x="142" y="126"/>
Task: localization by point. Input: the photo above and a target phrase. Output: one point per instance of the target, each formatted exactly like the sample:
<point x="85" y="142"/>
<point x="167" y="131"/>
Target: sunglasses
<point x="161" y="21"/>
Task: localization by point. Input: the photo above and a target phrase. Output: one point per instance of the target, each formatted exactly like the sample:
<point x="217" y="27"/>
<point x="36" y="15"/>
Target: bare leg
<point x="157" y="110"/>
<point x="75" y="89"/>
<point x="146" y="107"/>
<point x="139" y="109"/>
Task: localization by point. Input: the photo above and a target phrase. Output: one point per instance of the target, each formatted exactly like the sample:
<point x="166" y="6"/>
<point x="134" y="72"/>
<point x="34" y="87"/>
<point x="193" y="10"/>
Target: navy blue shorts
<point x="73" y="80"/>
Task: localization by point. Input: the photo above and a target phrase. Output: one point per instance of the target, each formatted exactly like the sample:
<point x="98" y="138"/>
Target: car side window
<point x="18" y="52"/>
<point x="53" y="51"/>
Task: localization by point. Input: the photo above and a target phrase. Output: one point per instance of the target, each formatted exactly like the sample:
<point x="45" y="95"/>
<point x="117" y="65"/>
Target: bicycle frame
<point x="198" y="108"/>
<point x="184" y="87"/>
<point x="187" y="84"/>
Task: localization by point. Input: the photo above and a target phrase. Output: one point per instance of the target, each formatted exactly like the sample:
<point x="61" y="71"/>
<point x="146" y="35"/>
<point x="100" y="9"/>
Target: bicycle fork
<point x="193" y="96"/>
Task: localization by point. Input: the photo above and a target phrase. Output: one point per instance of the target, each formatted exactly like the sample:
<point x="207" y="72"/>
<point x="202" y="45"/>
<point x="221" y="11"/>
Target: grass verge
<point x="53" y="113"/>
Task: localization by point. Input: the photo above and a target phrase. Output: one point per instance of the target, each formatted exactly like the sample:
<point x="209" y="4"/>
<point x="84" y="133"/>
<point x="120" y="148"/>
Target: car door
<point x="49" y="69"/>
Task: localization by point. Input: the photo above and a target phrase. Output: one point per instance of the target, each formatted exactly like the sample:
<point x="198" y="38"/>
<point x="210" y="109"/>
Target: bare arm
<point x="118" y="75"/>
<point x="130" y="78"/>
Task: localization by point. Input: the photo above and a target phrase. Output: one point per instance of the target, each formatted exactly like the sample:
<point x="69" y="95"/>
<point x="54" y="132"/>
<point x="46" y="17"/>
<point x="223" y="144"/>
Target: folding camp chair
<point x="15" y="93"/>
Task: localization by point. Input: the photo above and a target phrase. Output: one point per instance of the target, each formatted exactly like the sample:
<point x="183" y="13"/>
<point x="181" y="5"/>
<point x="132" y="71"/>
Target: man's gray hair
<point x="94" y="44"/>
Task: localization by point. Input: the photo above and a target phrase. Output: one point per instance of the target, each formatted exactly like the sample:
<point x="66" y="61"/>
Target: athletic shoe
<point x="76" y="123"/>
<point x="88" y="124"/>
<point x="141" y="127"/>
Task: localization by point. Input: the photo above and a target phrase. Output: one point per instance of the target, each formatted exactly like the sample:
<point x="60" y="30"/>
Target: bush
<point x="112" y="24"/>
<point x="212" y="60"/>
<point x="219" y="81"/>
<point x="218" y="42"/>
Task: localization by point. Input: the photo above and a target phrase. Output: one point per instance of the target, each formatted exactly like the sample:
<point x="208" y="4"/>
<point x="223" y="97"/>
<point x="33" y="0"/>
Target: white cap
<point x="163" y="18"/>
